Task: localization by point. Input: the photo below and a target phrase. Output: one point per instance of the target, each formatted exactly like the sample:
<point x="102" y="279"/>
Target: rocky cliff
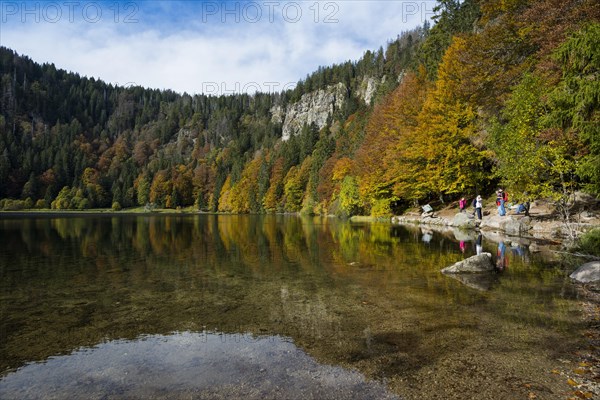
<point x="314" y="107"/>
<point x="317" y="106"/>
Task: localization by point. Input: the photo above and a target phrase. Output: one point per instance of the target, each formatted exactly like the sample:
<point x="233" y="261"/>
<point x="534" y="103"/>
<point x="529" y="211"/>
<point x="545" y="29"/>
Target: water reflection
<point x="501" y="259"/>
<point x="187" y="365"/>
<point x="363" y="296"/>
<point x="478" y="247"/>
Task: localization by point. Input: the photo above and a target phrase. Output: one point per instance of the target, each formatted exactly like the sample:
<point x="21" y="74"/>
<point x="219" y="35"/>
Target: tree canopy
<point x="497" y="92"/>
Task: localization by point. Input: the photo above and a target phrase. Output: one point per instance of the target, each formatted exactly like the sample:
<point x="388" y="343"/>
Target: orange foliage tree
<point x="379" y="165"/>
<point x="182" y="185"/>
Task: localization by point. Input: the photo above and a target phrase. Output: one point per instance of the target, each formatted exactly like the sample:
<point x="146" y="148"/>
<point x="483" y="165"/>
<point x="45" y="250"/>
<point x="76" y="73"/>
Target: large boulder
<point x="479" y="263"/>
<point x="588" y="272"/>
<point x="463" y="220"/>
<point x="492" y="222"/>
<point x="516" y="225"/>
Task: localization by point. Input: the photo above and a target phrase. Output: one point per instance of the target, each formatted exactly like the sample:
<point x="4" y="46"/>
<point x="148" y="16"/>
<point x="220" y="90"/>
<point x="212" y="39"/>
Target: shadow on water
<point x="368" y="297"/>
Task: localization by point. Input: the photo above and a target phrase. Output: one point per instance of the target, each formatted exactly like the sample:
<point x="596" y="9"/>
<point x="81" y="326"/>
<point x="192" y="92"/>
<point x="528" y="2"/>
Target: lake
<point x="282" y="307"/>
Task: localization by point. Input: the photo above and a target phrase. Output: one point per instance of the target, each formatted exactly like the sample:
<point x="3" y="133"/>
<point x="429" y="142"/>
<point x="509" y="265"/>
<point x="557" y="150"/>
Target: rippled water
<point x="272" y="307"/>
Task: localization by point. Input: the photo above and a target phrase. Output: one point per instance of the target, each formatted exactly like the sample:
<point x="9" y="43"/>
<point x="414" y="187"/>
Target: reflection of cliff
<point x="368" y="296"/>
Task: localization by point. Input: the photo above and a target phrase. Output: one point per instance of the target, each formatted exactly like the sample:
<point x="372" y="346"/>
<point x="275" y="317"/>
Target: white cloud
<point x="185" y="49"/>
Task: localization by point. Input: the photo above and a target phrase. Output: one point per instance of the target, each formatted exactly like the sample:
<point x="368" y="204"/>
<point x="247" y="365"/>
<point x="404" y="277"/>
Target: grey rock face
<point x="367" y="89"/>
<point x="314" y="107"/>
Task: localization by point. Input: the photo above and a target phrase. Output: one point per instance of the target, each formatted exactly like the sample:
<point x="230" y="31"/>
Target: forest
<point x="498" y="92"/>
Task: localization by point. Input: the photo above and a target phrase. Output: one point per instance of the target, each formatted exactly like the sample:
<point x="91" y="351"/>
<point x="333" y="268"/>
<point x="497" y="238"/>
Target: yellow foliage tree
<point x="439" y="154"/>
<point x="244" y="193"/>
<point x="342" y="167"/>
<point x="225" y="198"/>
<point x="295" y="184"/>
<point x="161" y="188"/>
<point x="272" y="200"/>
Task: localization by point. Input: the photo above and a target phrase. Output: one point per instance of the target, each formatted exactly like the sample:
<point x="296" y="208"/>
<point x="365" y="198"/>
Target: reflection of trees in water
<point x="319" y="281"/>
<point x="248" y="240"/>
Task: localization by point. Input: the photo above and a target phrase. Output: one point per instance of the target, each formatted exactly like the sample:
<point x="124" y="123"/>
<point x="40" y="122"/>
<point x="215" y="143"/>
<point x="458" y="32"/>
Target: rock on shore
<point x="587" y="273"/>
<point x="464" y="221"/>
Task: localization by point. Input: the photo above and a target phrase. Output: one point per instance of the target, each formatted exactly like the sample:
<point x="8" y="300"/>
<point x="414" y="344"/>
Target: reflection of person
<point x="501" y="260"/>
<point x="517" y="249"/>
<point x="478" y="206"/>
<point x="427" y="236"/>
<point x="478" y="248"/>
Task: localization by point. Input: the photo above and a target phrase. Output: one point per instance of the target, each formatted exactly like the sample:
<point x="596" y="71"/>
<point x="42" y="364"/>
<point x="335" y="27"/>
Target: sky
<point x="210" y="47"/>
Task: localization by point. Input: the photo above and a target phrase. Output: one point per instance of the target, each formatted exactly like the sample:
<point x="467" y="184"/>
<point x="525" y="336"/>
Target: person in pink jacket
<point x="462" y="205"/>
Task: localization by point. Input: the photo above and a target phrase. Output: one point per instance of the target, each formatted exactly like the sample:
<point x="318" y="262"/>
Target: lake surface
<point x="281" y="307"/>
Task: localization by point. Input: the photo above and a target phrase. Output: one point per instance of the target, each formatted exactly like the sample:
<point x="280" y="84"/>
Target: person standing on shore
<point x="478" y="206"/>
<point x="462" y="204"/>
<point x="500" y="200"/>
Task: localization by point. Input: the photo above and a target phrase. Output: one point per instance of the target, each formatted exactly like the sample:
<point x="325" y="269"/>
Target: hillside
<point x="495" y="93"/>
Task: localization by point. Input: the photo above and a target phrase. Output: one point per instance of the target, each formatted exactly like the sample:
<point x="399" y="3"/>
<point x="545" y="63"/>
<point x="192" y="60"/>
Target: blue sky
<point x="212" y="47"/>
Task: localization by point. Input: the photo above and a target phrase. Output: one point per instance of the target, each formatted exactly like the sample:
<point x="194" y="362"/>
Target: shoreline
<point x="535" y="226"/>
<point x="101" y="212"/>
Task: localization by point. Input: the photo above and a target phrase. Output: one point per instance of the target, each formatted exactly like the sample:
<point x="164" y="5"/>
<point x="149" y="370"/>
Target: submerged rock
<point x="588" y="272"/>
<point x="479" y="263"/>
<point x="481" y="282"/>
<point x="464" y="235"/>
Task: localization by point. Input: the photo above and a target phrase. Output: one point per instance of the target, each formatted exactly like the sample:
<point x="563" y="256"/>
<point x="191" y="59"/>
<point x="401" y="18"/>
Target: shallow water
<point x="272" y="307"/>
<point x="190" y="365"/>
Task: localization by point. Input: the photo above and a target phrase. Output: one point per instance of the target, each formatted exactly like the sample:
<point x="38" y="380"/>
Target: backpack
<point x="474" y="203"/>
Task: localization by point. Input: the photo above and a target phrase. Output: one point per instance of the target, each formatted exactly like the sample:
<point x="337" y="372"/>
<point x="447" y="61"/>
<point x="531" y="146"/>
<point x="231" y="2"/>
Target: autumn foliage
<point x="495" y="93"/>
